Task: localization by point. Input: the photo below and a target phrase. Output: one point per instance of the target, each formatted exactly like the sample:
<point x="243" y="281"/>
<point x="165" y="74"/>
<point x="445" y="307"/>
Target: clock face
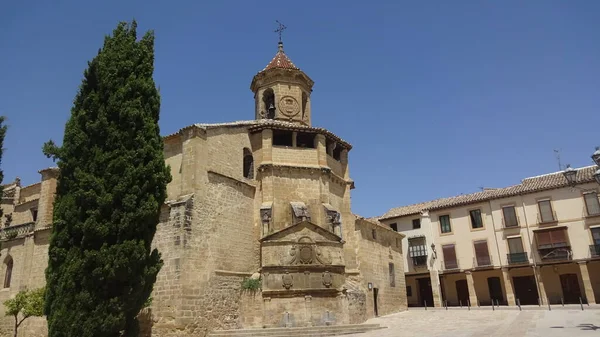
<point x="289" y="106"/>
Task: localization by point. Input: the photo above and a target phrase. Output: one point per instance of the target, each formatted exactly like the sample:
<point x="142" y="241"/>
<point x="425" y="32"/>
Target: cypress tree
<point x="3" y="128"/>
<point x="111" y="186"/>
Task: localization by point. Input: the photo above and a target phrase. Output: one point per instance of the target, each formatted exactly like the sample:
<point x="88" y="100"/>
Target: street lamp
<point x="570" y="174"/>
<point x="596" y="156"/>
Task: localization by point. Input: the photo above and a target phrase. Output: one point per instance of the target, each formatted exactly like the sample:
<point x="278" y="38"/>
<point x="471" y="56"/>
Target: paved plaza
<point x="532" y="322"/>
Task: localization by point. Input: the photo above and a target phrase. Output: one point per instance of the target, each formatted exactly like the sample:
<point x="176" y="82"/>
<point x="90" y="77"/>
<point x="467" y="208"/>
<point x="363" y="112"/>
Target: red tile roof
<point x="527" y="185"/>
<point x="281" y="61"/>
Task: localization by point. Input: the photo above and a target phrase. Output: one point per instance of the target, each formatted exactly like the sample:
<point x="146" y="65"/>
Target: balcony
<point x="11" y="232"/>
<point x="595" y="250"/>
<point x="419" y="261"/>
<point x="482" y="261"/>
<point x="517" y="258"/>
<point x="450" y="264"/>
<point x="558" y="254"/>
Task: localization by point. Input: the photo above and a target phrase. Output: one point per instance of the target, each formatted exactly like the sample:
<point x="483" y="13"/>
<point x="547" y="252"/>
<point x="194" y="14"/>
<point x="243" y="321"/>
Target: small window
<point x="34" y="214"/>
<point x="476" y="220"/>
<point x="591" y="203"/>
<point x="337" y="153"/>
<point x="305" y="140"/>
<point x="248" y="164"/>
<point x="8" y="274"/>
<point x="269" y="102"/>
<point x="394" y="226"/>
<point x="445" y="224"/>
<point x="282" y="138"/>
<point x="546" y="213"/>
<point x="392" y="275"/>
<point x="408" y="291"/>
<point x="374" y="233"/>
<point x="416" y="223"/>
<point x="509" y="216"/>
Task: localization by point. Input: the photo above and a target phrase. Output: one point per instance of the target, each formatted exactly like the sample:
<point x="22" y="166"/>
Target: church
<point x="257" y="231"/>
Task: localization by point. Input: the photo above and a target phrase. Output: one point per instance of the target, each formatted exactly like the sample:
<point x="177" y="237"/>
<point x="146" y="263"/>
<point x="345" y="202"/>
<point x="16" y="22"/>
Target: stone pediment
<point x="302" y="230"/>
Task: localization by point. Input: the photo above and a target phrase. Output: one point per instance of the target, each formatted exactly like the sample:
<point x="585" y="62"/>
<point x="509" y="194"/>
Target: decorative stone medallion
<point x="327" y="279"/>
<point x="306" y="254"/>
<point x="287" y="280"/>
<point x="289" y="106"/>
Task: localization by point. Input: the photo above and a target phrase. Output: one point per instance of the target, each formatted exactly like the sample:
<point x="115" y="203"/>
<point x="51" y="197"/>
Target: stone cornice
<point x="314" y="169"/>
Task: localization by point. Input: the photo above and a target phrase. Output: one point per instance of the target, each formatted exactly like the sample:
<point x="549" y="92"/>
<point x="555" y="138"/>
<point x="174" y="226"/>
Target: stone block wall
<point x="295" y="156"/>
<point x="375" y="254"/>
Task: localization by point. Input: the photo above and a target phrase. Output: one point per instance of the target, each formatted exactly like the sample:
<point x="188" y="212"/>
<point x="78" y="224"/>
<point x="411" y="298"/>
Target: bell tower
<point x="282" y="91"/>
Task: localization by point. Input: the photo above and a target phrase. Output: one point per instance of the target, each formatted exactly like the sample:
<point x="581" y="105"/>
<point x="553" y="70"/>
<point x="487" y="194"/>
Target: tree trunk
<point x="16" y="325"/>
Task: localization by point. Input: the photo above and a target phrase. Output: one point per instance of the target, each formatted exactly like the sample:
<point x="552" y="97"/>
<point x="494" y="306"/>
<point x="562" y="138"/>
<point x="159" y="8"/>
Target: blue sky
<point x="438" y="98"/>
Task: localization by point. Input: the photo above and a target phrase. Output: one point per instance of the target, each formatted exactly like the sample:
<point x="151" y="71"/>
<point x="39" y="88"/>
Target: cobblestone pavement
<point x="513" y="323"/>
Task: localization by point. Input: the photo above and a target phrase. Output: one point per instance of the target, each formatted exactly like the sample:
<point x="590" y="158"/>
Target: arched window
<point x="248" y="164"/>
<point x="304" y="103"/>
<point x="9" y="267"/>
<point x="269" y="100"/>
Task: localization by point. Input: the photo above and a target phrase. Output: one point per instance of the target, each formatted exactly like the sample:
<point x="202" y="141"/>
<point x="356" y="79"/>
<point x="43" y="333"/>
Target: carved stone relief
<point x="287" y="281"/>
<point x="327" y="279"/>
<point x="289" y="106"/>
<point x="306" y="252"/>
<point x="266" y="213"/>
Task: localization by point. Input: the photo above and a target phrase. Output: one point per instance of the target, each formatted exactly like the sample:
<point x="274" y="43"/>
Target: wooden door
<point x="462" y="292"/>
<point x="375" y="293"/>
<point x="425" y="292"/>
<point x="495" y="289"/>
<point x="570" y="288"/>
<point x="525" y="290"/>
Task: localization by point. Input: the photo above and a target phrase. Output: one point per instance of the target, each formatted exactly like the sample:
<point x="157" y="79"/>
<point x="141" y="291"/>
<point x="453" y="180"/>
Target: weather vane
<point x="280" y="29"/>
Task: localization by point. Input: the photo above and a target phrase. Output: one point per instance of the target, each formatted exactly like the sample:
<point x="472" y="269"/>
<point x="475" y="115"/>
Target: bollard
<point x="478" y="303"/>
<point x="539" y="302"/>
<point x="446" y="304"/>
<point x="562" y="301"/>
<point x="581" y="303"/>
<point x="469" y="305"/>
<point x="493" y="309"/>
<point x="460" y="303"/>
<point x="425" y="303"/>
<point x="549" y="309"/>
<point x="519" y="304"/>
<point x="497" y="303"/>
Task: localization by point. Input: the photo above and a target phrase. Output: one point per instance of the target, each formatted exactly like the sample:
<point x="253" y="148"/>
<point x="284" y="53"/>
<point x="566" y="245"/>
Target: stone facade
<point x="267" y="199"/>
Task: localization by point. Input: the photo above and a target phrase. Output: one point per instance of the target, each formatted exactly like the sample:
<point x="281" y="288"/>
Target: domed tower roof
<point x="281" y="60"/>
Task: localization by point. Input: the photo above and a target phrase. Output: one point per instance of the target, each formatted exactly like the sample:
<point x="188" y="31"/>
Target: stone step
<point x="316" y="331"/>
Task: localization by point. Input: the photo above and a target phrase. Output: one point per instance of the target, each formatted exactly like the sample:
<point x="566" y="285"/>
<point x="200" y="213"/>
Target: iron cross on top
<point x="280" y="29"/>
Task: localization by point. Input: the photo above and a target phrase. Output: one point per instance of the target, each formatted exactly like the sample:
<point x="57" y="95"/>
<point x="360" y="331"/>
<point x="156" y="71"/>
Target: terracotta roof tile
<point x="527" y="185"/>
<point x="281" y="61"/>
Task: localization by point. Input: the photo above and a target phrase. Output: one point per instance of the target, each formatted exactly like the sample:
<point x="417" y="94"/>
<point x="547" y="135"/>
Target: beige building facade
<point x="534" y="243"/>
<point x="265" y="199"/>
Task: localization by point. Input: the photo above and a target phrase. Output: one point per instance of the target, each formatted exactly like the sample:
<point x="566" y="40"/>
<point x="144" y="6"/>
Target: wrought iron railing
<point x="595" y="250"/>
<point x="517" y="258"/>
<point x="557" y="254"/>
<point x="12" y="232"/>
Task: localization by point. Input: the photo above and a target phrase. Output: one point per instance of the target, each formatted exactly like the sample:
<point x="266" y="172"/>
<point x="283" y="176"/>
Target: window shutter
<point x="559" y="237"/>
<point x="510" y="217"/>
<point x="449" y="253"/>
<point x="544" y="240"/>
<point x="546" y="211"/>
<point x="592" y="203"/>
<point x="481" y="249"/>
<point x="416" y="247"/>
<point x="515" y="245"/>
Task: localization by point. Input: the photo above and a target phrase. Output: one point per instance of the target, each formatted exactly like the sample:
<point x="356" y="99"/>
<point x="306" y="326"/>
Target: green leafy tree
<point x="3" y="128"/>
<point x="26" y="303"/>
<point x="111" y="186"/>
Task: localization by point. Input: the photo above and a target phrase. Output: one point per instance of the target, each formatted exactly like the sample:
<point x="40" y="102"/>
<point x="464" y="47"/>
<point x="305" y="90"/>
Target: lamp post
<point x="596" y="159"/>
<point x="571" y="174"/>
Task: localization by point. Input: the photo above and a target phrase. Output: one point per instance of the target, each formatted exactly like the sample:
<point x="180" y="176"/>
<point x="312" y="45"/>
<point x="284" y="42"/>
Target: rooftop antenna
<point x="557" y="155"/>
